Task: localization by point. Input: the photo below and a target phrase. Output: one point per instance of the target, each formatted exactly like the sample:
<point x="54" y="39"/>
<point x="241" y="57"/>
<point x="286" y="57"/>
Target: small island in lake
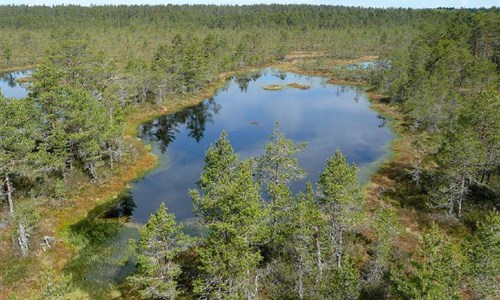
<point x="301" y="86"/>
<point x="273" y="87"/>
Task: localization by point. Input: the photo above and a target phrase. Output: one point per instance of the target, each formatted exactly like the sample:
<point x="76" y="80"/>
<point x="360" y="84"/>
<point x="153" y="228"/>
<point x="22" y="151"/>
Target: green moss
<point x="15" y="269"/>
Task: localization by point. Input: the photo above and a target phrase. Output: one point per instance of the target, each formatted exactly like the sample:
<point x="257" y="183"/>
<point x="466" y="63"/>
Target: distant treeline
<point x="214" y="16"/>
<point x="122" y="32"/>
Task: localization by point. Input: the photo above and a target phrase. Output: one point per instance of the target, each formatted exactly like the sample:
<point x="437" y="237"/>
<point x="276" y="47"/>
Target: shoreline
<point x="145" y="161"/>
<point x="16" y="68"/>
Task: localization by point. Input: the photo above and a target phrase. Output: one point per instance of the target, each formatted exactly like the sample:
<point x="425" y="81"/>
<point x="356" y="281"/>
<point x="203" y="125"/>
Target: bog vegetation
<point x="95" y="67"/>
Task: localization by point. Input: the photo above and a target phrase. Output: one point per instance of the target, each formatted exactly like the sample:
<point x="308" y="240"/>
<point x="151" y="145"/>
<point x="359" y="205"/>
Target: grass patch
<point x="339" y="81"/>
<point x="15" y="269"/>
<point x="7" y="69"/>
<point x="24" y="79"/>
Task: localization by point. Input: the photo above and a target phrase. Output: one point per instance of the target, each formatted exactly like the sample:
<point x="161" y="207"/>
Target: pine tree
<point x="343" y="282"/>
<point x="279" y="165"/>
<point x="161" y="241"/>
<point x="19" y="121"/>
<point x="459" y="157"/>
<point x="386" y="228"/>
<point x="78" y="121"/>
<point x="480" y="114"/>
<point x="340" y="201"/>
<point x="220" y="160"/>
<point x="275" y="170"/>
<point x="483" y="252"/>
<point x="231" y="208"/>
<point x="305" y="244"/>
<point x="434" y="273"/>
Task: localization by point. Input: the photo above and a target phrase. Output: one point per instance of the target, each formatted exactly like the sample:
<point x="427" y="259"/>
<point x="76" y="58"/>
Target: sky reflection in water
<point x="327" y="116"/>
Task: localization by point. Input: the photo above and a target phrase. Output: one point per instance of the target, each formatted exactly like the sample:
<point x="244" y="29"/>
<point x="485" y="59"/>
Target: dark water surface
<point x="327" y="116"/>
<point x="10" y="87"/>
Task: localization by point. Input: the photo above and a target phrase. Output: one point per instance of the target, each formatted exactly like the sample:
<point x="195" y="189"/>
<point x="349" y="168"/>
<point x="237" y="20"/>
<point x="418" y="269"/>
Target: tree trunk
<point x="340" y="246"/>
<point x="256" y="287"/>
<point x="247" y="286"/>
<point x="110" y="153"/>
<point x="300" y="283"/>
<point x="460" y="200"/>
<point x="319" y="263"/>
<point x="8" y="188"/>
<point x="23" y="239"/>
<point x="451" y="206"/>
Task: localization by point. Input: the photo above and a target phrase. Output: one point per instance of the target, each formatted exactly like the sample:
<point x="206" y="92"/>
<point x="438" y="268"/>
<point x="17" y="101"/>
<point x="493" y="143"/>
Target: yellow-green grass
<point x="273" y="87"/>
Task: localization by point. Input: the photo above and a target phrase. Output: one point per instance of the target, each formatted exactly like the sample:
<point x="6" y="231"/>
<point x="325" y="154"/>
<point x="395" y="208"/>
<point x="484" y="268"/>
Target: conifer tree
<point x="220" y="160"/>
<point x="436" y="271"/>
<point x="279" y="165"/>
<point x="483" y="252"/>
<point x="459" y="157"/>
<point x="161" y="241"/>
<point x="340" y="201"/>
<point x="230" y="206"/>
<point x="305" y="243"/>
<point x="386" y="228"/>
<point x="275" y="170"/>
<point x="19" y="121"/>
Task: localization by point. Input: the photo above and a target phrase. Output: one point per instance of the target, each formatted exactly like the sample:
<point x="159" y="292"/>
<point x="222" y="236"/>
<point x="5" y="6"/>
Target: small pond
<point x="328" y="116"/>
<point x="11" y="87"/>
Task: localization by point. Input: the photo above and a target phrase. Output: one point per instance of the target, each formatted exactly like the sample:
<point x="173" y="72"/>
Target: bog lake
<point x="327" y="116"/>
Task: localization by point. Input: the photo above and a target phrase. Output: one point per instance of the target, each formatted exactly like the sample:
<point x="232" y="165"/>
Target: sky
<point x="364" y="3"/>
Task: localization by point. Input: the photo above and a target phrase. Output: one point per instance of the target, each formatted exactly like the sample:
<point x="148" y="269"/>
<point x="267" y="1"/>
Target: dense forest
<point x="427" y="227"/>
